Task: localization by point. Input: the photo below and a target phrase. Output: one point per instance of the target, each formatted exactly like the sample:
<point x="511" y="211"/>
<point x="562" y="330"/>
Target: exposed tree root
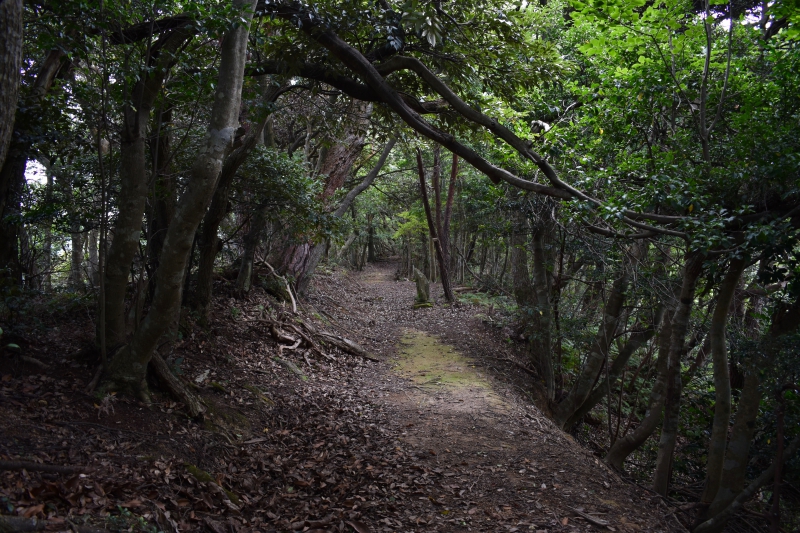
<point x="176" y="387"/>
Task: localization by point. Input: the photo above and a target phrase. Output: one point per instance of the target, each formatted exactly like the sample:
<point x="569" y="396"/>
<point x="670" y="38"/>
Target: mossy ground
<point x="432" y="365"/>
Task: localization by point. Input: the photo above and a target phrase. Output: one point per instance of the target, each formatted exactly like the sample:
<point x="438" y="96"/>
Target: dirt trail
<point x="438" y="436"/>
<point x="498" y="464"/>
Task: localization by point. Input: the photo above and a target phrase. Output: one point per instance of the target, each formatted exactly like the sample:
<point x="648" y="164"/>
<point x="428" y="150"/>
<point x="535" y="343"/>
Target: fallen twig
<point x="589" y="518"/>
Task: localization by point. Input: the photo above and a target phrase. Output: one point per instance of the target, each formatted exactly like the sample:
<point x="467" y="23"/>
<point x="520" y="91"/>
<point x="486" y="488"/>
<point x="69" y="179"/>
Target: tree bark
<point x="597" y="356"/>
<point x="10" y="63"/>
<point x="715" y="524"/>
<point x="722" y="380"/>
<point x="432" y="228"/>
<point x="542" y="338"/>
<point x="301" y="284"/>
<point x="127" y="369"/>
<point x="680" y="326"/>
<point x="623" y="447"/>
<point x="209" y="243"/>
<point x="133" y="187"/>
<point x="12" y="174"/>
<point x="635" y="341"/>
<point x="336" y="166"/>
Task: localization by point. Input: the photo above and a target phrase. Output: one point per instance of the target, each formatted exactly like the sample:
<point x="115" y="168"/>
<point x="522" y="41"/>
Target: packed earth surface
<point x="438" y="434"/>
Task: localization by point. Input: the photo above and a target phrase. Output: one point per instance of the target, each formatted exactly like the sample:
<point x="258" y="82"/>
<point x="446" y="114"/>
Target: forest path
<point x="489" y="460"/>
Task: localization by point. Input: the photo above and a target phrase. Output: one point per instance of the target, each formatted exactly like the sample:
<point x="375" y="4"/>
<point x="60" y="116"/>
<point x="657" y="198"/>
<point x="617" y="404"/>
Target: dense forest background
<point x="621" y="176"/>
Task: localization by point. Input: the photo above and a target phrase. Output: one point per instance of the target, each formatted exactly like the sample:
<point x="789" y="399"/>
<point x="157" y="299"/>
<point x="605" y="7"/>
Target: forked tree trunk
<point x="133" y="188"/>
<point x="722" y="381"/>
<point x="128" y="368"/>
<point x="623" y="447"/>
<point x="336" y="164"/>
<point x="729" y="497"/>
<point x="680" y="326"/>
<point x="209" y="240"/>
<point x="598" y="353"/>
<point x="609" y="381"/>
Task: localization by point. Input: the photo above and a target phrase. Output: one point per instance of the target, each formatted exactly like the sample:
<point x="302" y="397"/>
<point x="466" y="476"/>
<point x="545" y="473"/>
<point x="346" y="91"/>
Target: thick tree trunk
<point x="722" y="381"/>
<point x="127" y="369"/>
<point x="336" y="165"/>
<point x="680" y="326"/>
<point x="623" y="447"/>
<point x="133" y="189"/>
<point x="597" y="356"/>
<point x="10" y="63"/>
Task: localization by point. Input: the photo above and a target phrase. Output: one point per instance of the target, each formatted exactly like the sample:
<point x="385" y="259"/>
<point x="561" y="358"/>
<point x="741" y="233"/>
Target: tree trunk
<point x="447" y="289"/>
<point x="209" y="240"/>
<point x="336" y="165"/>
<point x="94" y="263"/>
<point x="244" y="281"/>
<point x="133" y="188"/>
<point x="635" y="341"/>
<point x="542" y="337"/>
<point x="785" y="321"/>
<point x="10" y="63"/>
<point x="722" y="381"/>
<point x="127" y="369"/>
<point x="680" y="326"/>
<point x="597" y="356"/>
<point x="163" y="195"/>
<point x="301" y="284"/>
<point x="623" y="447"/>
<point x="12" y="173"/>
<point x="76" y="259"/>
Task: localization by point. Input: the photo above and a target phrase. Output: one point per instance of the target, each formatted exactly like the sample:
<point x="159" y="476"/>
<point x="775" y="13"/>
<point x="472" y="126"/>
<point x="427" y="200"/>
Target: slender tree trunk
<point x="542" y="337"/>
<point x="635" y="341"/>
<point x="731" y="494"/>
<point x="76" y="259"/>
<point x="127" y="369"/>
<point x="680" y="326"/>
<point x="163" y="192"/>
<point x="94" y="259"/>
<point x="623" y="447"/>
<point x="597" y="356"/>
<point x="448" y="291"/>
<point x="244" y="281"/>
<point x="722" y="381"/>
